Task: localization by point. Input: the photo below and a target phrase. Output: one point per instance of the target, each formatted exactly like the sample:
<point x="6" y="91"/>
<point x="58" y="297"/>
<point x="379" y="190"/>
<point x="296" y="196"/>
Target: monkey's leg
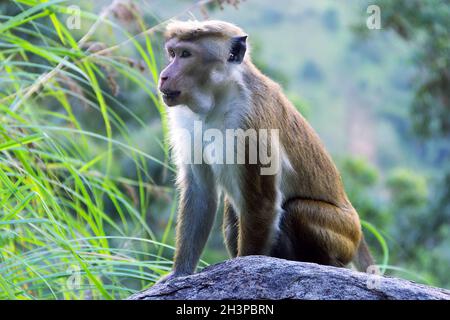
<point x="258" y="215"/>
<point x="257" y="229"/>
<point x="230" y="228"/>
<point x="316" y="231"/>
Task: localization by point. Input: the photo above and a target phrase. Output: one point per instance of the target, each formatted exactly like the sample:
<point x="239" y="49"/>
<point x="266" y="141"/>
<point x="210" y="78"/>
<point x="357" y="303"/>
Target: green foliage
<point x="360" y="180"/>
<point x="427" y="24"/>
<point x="74" y="224"/>
<point x="266" y="68"/>
<point x="407" y="188"/>
<point x="421" y="207"/>
<point x="360" y="171"/>
<point x="392" y="231"/>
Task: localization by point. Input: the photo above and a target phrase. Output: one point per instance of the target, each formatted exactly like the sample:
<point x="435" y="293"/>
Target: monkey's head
<point x="203" y="59"/>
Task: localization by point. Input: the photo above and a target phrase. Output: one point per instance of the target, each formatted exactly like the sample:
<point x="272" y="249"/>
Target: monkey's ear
<point x="238" y="48"/>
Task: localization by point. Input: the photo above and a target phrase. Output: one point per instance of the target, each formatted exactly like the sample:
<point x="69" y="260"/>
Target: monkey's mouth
<point x="171" y="94"/>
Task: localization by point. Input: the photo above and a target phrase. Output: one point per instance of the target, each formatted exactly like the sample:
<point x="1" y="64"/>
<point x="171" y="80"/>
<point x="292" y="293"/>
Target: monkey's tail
<point x="363" y="258"/>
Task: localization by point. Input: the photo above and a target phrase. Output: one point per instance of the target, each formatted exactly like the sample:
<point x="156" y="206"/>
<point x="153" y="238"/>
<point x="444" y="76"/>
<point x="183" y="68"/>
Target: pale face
<point x="193" y="71"/>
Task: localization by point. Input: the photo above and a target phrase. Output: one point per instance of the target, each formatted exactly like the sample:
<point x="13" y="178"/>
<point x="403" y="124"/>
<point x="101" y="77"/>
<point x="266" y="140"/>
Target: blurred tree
<point x="360" y="179"/>
<point x="311" y="72"/>
<point x="422" y="217"/>
<point x="426" y="23"/>
<point x="422" y="237"/>
<point x="273" y="73"/>
<point x="330" y="19"/>
<point x="409" y="197"/>
<point x="409" y="188"/>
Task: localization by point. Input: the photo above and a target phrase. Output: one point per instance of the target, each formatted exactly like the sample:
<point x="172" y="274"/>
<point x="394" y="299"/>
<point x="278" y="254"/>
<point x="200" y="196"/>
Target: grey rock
<point x="259" y="277"/>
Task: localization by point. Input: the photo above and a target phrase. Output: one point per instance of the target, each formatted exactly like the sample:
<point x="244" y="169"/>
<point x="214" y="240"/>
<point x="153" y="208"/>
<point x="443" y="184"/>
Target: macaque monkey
<point x="299" y="211"/>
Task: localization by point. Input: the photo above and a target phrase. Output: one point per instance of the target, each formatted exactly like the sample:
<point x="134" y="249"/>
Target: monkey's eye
<point x="185" y="54"/>
<point x="171" y="53"/>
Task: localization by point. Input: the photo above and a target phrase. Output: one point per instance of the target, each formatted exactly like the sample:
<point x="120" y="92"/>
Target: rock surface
<point x="258" y="277"/>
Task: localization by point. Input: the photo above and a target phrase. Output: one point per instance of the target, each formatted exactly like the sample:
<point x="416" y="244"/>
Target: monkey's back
<point x="305" y="163"/>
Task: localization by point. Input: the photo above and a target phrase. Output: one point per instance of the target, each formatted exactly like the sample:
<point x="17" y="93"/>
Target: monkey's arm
<point x="197" y="209"/>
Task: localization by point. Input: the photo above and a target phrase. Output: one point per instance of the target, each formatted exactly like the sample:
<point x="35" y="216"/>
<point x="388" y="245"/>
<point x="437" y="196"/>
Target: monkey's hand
<point x="171" y="276"/>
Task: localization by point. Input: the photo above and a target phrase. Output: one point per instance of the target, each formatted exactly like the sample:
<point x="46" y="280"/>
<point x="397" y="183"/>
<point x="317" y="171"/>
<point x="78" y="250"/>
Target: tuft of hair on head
<point x="193" y="29"/>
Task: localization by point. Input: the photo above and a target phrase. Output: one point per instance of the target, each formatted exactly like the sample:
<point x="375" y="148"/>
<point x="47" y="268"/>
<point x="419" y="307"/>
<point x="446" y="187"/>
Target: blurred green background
<point x="87" y="205"/>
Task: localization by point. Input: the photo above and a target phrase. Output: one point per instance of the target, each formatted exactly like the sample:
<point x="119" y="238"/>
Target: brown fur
<point x="317" y="222"/>
<point x="320" y="222"/>
<point x="192" y="30"/>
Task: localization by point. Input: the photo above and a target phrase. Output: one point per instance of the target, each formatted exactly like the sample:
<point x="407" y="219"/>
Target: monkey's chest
<point x="211" y="145"/>
<point x="228" y="178"/>
<point x="220" y="154"/>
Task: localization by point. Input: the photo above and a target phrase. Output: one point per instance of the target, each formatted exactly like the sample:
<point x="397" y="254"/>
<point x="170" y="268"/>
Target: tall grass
<point x="72" y="225"/>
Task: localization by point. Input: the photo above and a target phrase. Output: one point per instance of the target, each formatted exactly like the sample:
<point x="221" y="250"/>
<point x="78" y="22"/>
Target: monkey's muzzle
<point x="170" y="95"/>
